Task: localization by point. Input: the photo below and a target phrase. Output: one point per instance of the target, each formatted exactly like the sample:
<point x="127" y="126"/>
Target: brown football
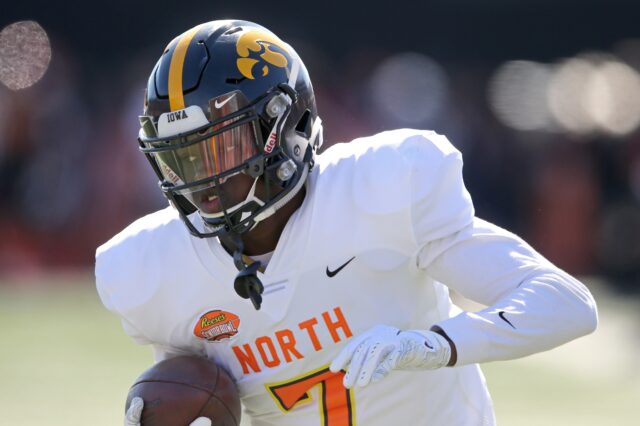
<point x="178" y="390"/>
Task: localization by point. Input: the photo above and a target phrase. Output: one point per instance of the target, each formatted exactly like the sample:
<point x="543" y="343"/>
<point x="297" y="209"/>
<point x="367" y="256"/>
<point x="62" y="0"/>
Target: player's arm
<point x="429" y="168"/>
<point x="533" y="306"/>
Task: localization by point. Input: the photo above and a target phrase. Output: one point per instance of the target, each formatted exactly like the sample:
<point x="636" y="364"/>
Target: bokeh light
<point x="568" y="95"/>
<point x="409" y="87"/>
<point x="518" y="95"/>
<point x="586" y="94"/>
<point x="25" y="53"/>
<point x="613" y="97"/>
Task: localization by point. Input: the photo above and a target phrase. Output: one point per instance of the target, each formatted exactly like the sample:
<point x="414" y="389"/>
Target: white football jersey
<point x="383" y="218"/>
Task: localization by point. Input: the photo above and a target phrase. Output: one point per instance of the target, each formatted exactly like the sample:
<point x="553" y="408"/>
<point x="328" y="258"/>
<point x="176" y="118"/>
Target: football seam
<point x="213" y="395"/>
<point x="209" y="392"/>
<point x="173" y="382"/>
<point x="221" y="403"/>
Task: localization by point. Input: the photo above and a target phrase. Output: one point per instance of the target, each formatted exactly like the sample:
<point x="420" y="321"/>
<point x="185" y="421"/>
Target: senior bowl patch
<point x="217" y="325"/>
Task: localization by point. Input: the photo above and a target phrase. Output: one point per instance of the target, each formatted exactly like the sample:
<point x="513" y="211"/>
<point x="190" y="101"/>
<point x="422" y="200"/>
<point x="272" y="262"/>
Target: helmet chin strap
<point x="246" y="284"/>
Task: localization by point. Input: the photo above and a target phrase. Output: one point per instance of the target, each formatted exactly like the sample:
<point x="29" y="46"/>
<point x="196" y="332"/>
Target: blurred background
<point x="542" y="97"/>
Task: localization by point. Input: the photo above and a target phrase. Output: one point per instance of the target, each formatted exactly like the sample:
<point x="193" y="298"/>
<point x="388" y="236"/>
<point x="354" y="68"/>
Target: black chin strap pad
<point x="246" y="284"/>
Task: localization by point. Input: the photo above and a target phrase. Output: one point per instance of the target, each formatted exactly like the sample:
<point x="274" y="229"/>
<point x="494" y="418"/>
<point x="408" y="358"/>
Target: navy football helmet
<point x="229" y="97"/>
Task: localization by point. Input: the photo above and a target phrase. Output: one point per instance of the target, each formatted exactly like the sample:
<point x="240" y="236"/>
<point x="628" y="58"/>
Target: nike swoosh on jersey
<point x="334" y="272"/>
<point x="221" y="104"/>
<point x="501" y="315"/>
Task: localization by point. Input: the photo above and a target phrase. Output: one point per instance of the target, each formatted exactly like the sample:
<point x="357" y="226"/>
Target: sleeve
<point x="115" y="285"/>
<point x="533" y="306"/>
<point x="132" y="332"/>
<point x="111" y="300"/>
<point x="440" y="203"/>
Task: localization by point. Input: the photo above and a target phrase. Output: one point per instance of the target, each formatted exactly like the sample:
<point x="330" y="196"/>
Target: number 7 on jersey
<point x="336" y="401"/>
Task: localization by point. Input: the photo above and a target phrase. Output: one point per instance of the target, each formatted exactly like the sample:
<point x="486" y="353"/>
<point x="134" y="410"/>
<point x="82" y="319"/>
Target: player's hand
<point x="134" y="413"/>
<point x="370" y="356"/>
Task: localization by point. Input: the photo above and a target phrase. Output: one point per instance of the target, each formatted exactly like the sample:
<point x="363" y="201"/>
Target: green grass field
<point x="64" y="361"/>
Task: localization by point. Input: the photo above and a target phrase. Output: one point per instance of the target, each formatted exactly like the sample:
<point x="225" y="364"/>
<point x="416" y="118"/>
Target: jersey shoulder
<point x="141" y="229"/>
<point x="127" y="264"/>
<point x="389" y="170"/>
<point x="401" y="141"/>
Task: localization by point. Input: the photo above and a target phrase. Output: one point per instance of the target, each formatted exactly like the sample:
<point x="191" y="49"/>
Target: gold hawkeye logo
<point x="260" y="42"/>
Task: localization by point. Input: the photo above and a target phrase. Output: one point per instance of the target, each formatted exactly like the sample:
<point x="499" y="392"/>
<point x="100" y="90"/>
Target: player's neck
<point x="264" y="238"/>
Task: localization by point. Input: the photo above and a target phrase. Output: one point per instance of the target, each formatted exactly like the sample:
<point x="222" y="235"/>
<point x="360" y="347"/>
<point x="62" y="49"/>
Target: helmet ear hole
<point x="303" y="128"/>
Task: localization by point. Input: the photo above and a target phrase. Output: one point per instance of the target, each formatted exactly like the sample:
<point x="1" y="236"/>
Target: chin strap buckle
<point x="248" y="285"/>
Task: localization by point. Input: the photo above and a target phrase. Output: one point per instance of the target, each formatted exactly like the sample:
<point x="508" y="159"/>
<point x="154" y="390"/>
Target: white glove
<point x="132" y="417"/>
<point x="370" y="356"/>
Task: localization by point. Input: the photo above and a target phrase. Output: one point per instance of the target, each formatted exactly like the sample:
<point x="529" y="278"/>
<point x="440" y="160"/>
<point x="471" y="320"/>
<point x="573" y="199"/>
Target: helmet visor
<point x="212" y="156"/>
<point x="208" y="152"/>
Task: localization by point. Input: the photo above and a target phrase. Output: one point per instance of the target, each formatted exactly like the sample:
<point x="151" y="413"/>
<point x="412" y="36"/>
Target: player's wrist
<point x="453" y="358"/>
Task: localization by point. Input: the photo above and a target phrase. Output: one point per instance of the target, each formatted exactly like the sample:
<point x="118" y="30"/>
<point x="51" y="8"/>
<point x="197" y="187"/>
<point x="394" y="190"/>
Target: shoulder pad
<point x="123" y="278"/>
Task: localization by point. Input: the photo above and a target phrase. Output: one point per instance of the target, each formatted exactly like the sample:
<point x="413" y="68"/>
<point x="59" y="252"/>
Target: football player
<point x="320" y="282"/>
